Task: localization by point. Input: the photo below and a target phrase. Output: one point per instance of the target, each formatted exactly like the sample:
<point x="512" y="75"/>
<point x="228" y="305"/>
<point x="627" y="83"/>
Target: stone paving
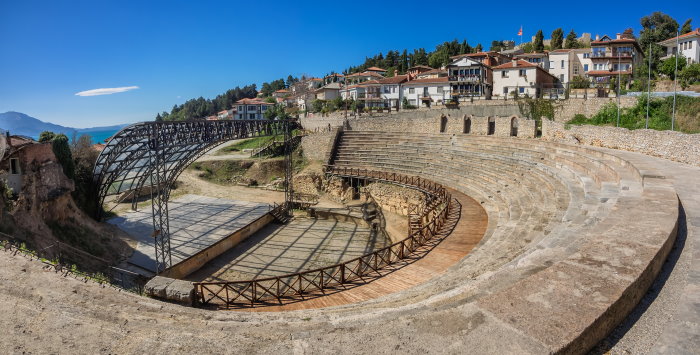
<point x="303" y="244"/>
<point x="196" y="222"/>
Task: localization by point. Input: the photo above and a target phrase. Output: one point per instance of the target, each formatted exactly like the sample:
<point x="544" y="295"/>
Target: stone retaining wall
<point x="680" y="147"/>
<point x="566" y="110"/>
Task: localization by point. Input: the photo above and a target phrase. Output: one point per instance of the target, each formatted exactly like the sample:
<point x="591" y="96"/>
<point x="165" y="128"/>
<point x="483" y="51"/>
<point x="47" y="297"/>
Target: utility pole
<point x="675" y="81"/>
<point x="619" y="78"/>
<point x="646" y="125"/>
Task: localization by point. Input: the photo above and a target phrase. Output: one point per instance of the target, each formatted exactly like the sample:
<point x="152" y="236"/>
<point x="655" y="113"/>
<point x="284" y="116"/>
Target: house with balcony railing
<point x="614" y="58"/>
<point x="469" y="78"/>
<point x="251" y="109"/>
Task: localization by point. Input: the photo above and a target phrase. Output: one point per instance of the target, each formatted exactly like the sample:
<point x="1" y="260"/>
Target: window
<point x="522" y="72"/>
<point x="251" y="116"/>
<point x="561" y="77"/>
<point x="263" y="108"/>
<point x="586" y="55"/>
<point x="504" y="74"/>
<point x="585" y="67"/>
<point x="439" y="89"/>
<point x="240" y="116"/>
<point x="411" y="90"/>
<point x="14" y="166"/>
<point x="387" y="90"/>
<point x="251" y="108"/>
<point x="576" y="70"/>
<point x="562" y="64"/>
<point x="690" y="45"/>
<point x="551" y="64"/>
<point x="240" y="108"/>
<point x="521" y="90"/>
<point x="505" y="90"/>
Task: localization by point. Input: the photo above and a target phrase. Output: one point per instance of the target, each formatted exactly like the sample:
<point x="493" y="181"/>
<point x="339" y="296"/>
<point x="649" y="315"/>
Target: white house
<point x="688" y="43"/>
<point x="541" y="59"/>
<point x="426" y="92"/>
<point x="521" y="78"/>
<point x="328" y="91"/>
<point x="583" y="57"/>
<point x="390" y="90"/>
<point x="251" y="109"/>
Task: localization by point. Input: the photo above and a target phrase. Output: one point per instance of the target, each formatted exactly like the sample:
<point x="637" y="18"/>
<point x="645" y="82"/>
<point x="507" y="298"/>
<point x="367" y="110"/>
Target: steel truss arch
<point x="154" y="154"/>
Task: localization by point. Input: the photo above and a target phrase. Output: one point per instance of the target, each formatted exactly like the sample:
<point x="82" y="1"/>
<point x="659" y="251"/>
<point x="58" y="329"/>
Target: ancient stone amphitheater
<point x="574" y="238"/>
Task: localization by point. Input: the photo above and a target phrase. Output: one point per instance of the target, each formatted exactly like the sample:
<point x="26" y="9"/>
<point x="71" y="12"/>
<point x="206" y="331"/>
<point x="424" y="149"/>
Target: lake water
<point x="100" y="136"/>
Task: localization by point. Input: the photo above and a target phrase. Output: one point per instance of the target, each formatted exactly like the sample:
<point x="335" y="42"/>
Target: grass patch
<point x="251" y="143"/>
<point x="660" y="114"/>
<point x="79" y="237"/>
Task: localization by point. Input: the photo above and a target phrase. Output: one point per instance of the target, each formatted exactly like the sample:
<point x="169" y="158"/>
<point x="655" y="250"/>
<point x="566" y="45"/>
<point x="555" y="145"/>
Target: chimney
<point x="597" y="37"/>
<point x="515" y="63"/>
<point x="9" y="141"/>
<point x="618" y="36"/>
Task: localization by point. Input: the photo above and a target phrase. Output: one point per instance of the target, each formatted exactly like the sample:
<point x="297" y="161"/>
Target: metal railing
<point x="276" y="289"/>
<point x="69" y="260"/>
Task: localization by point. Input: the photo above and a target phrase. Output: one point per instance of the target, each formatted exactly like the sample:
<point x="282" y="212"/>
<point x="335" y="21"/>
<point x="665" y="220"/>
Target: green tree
<point x="579" y="82"/>
<point x="84" y="158"/>
<point x="478" y="48"/>
<point x="438" y="59"/>
<point x="690" y="75"/>
<point x="687" y="26"/>
<point x="571" y="40"/>
<point x="527" y="47"/>
<point x="557" y="39"/>
<point x="46" y="136"/>
<point x="655" y="28"/>
<point x="61" y="149"/>
<point x="538" y="43"/>
<point x="668" y="66"/>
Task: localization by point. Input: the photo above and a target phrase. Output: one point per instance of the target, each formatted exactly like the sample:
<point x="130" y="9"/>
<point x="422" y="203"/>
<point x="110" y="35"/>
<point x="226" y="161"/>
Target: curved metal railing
<point x="294" y="286"/>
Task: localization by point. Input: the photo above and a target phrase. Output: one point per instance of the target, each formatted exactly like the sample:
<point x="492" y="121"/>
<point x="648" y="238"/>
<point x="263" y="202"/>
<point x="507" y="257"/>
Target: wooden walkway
<point x="462" y="233"/>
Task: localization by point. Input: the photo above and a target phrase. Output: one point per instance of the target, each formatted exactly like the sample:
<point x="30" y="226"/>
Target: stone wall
<point x="566" y="109"/>
<point x="317" y="145"/>
<point x="680" y="147"/>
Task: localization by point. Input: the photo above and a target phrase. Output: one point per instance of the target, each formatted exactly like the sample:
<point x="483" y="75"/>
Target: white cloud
<point x="106" y="91"/>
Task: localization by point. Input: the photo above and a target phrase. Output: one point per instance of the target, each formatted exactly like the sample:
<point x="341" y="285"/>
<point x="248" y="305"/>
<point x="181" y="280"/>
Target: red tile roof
<point x="255" y="101"/>
<point x="428" y="81"/>
<point x="282" y="90"/>
<point x="689" y="34"/>
<point x="398" y="79"/>
<point x="519" y="64"/>
<point x="375" y="69"/>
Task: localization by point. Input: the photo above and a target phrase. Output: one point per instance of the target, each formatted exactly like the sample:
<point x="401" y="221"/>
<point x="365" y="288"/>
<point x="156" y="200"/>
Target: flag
<point x="520" y="33"/>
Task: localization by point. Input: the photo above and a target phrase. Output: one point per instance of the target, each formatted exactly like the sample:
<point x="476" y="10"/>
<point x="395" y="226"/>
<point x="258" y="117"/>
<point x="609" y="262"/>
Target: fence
<point x="292" y="286"/>
<point x="67" y="259"/>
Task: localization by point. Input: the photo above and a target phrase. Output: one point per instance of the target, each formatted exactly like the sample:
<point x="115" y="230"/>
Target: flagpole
<point x="675" y="80"/>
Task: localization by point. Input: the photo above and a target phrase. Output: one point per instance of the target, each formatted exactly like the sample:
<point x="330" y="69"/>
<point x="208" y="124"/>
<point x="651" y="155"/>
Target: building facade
<point x="469" y="78"/>
<point x="521" y="78"/>
<point x="614" y="58"/>
<point x="688" y="43"/>
<point x="251" y="109"/>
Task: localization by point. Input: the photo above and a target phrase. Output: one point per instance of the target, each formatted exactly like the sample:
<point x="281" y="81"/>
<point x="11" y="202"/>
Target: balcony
<point x="465" y="78"/>
<point x="613" y="54"/>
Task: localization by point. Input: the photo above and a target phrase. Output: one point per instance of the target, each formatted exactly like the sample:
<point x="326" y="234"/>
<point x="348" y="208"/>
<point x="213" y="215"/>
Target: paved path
<point x="667" y="320"/>
<point x="468" y="229"/>
<point x="196" y="222"/>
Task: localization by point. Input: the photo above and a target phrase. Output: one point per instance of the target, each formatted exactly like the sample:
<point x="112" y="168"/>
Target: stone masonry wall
<point x="317" y="145"/>
<point x="565" y="110"/>
<point x="681" y="147"/>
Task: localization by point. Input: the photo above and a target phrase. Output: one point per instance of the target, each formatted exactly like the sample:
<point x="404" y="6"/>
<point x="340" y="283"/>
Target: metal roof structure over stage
<point x="147" y="155"/>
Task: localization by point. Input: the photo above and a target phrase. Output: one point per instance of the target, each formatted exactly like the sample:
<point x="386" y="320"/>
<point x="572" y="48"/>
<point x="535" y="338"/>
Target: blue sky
<point x="176" y="50"/>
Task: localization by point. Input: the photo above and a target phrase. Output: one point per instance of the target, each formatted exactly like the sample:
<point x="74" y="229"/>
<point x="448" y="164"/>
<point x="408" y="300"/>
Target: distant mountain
<point x="21" y="124"/>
